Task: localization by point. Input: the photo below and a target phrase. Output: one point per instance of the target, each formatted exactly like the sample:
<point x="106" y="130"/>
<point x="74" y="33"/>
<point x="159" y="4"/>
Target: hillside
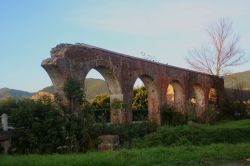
<point x="235" y="80"/>
<point x="13" y="92"/>
<point x="93" y="87"/>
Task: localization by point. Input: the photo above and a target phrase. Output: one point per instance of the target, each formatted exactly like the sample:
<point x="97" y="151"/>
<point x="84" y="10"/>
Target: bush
<point x="211" y="115"/>
<point x="101" y="104"/>
<point x="129" y="132"/>
<point x="38" y="127"/>
<point x="171" y="117"/>
<point x="140" y="115"/>
<point x="8" y="104"/>
<point x="80" y="132"/>
<point x="231" y="109"/>
<point x="194" y="134"/>
<point x="41" y="128"/>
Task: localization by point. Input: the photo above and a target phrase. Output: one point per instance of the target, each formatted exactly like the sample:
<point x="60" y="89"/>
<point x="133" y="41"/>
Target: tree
<point x="140" y="99"/>
<point x="223" y="52"/>
<point x="74" y="93"/>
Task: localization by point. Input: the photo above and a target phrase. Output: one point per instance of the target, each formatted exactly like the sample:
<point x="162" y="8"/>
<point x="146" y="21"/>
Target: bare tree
<point x="223" y="52"/>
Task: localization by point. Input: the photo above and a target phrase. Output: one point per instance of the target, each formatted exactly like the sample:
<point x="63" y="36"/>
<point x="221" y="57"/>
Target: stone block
<point x="108" y="142"/>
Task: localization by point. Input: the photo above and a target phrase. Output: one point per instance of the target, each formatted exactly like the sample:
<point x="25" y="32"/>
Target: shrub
<point x="129" y="132"/>
<point x="170" y="116"/>
<point x="194" y="134"/>
<point x="101" y="104"/>
<point x="8" y="104"/>
<point x="38" y="127"/>
<point x="191" y="113"/>
<point x="41" y="128"/>
<point x="211" y="115"/>
<point x="229" y="108"/>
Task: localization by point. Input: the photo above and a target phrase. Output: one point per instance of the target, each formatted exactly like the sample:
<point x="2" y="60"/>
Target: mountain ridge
<point x="93" y="87"/>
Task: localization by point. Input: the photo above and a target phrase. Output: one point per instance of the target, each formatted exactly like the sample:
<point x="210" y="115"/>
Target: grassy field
<point x="190" y="153"/>
<point x="216" y="154"/>
<point x="231" y="124"/>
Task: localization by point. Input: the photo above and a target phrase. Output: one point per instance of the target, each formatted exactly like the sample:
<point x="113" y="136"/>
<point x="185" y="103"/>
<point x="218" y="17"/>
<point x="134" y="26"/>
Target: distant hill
<point x="13" y="92"/>
<point x="49" y="89"/>
<point x="238" y="79"/>
<point x="93" y="87"/>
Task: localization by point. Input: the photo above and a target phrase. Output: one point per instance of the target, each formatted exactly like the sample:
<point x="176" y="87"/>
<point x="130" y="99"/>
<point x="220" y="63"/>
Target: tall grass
<point x="180" y="155"/>
<point x="197" y="134"/>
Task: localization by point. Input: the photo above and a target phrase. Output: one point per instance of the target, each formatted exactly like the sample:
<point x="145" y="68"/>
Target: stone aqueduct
<point x="121" y="71"/>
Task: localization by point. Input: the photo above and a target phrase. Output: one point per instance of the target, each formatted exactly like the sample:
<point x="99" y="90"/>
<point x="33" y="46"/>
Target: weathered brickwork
<point x="121" y="71"/>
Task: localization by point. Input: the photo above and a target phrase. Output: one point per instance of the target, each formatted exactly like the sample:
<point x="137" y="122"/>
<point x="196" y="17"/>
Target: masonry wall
<point x="121" y="71"/>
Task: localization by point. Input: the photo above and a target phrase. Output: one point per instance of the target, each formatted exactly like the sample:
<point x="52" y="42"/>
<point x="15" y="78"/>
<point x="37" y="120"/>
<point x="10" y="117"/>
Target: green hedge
<point x="195" y="135"/>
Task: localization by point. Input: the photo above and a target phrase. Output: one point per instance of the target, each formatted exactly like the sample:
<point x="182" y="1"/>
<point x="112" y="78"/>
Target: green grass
<point x="197" y="134"/>
<point x="226" y="142"/>
<point x="215" y="154"/>
<point x="232" y="124"/>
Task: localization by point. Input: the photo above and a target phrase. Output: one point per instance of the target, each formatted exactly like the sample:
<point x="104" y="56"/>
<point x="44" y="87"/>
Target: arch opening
<point x="212" y="96"/>
<point x="198" y="99"/>
<point x="175" y="96"/>
<point x="153" y="101"/>
<point x="103" y="91"/>
<point x="139" y="102"/>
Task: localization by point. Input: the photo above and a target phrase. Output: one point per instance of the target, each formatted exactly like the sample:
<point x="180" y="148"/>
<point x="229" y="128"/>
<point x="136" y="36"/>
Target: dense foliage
<point x="140" y="104"/>
<point x="101" y="105"/>
<point x="42" y="126"/>
<point x="195" y="134"/>
<point x="74" y="92"/>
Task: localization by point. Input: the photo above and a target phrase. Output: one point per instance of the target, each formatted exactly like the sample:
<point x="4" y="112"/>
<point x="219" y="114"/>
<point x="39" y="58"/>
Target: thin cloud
<point x="165" y="18"/>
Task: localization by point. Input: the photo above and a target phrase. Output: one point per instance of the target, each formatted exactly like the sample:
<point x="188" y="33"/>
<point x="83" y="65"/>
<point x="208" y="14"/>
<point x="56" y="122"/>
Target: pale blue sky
<point x="162" y="28"/>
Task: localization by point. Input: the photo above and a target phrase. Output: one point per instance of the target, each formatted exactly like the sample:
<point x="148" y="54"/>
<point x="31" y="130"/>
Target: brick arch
<point x="175" y="95"/>
<point x="114" y="87"/>
<point x="153" y="97"/>
<point x="75" y="60"/>
<point x="108" y="74"/>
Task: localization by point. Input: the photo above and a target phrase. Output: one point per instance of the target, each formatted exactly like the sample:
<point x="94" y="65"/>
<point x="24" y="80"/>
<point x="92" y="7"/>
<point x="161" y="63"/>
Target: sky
<point x="164" y="29"/>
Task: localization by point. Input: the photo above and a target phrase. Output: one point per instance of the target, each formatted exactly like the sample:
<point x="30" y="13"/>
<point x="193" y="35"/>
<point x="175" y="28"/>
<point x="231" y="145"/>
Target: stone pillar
<point x="117" y="110"/>
<point x="108" y="143"/>
<point x="5" y="122"/>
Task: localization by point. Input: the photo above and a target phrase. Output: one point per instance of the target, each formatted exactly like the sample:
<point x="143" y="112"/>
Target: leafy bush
<point x="171" y="117"/>
<point x="140" y="104"/>
<point x="229" y="108"/>
<point x="211" y="115"/>
<point x="194" y="134"/>
<point x="129" y="132"/>
<point x="41" y="128"/>
<point x="38" y="127"/>
<point x="101" y="104"/>
<point x="8" y="104"/>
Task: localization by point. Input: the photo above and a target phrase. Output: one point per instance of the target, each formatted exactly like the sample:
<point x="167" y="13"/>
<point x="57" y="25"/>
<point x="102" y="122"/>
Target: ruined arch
<point x="115" y="92"/>
<point x="139" y="101"/>
<point x="175" y="95"/>
<point x="120" y="70"/>
<point x="112" y="81"/>
<point x="153" y="98"/>
<point x="198" y="99"/>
